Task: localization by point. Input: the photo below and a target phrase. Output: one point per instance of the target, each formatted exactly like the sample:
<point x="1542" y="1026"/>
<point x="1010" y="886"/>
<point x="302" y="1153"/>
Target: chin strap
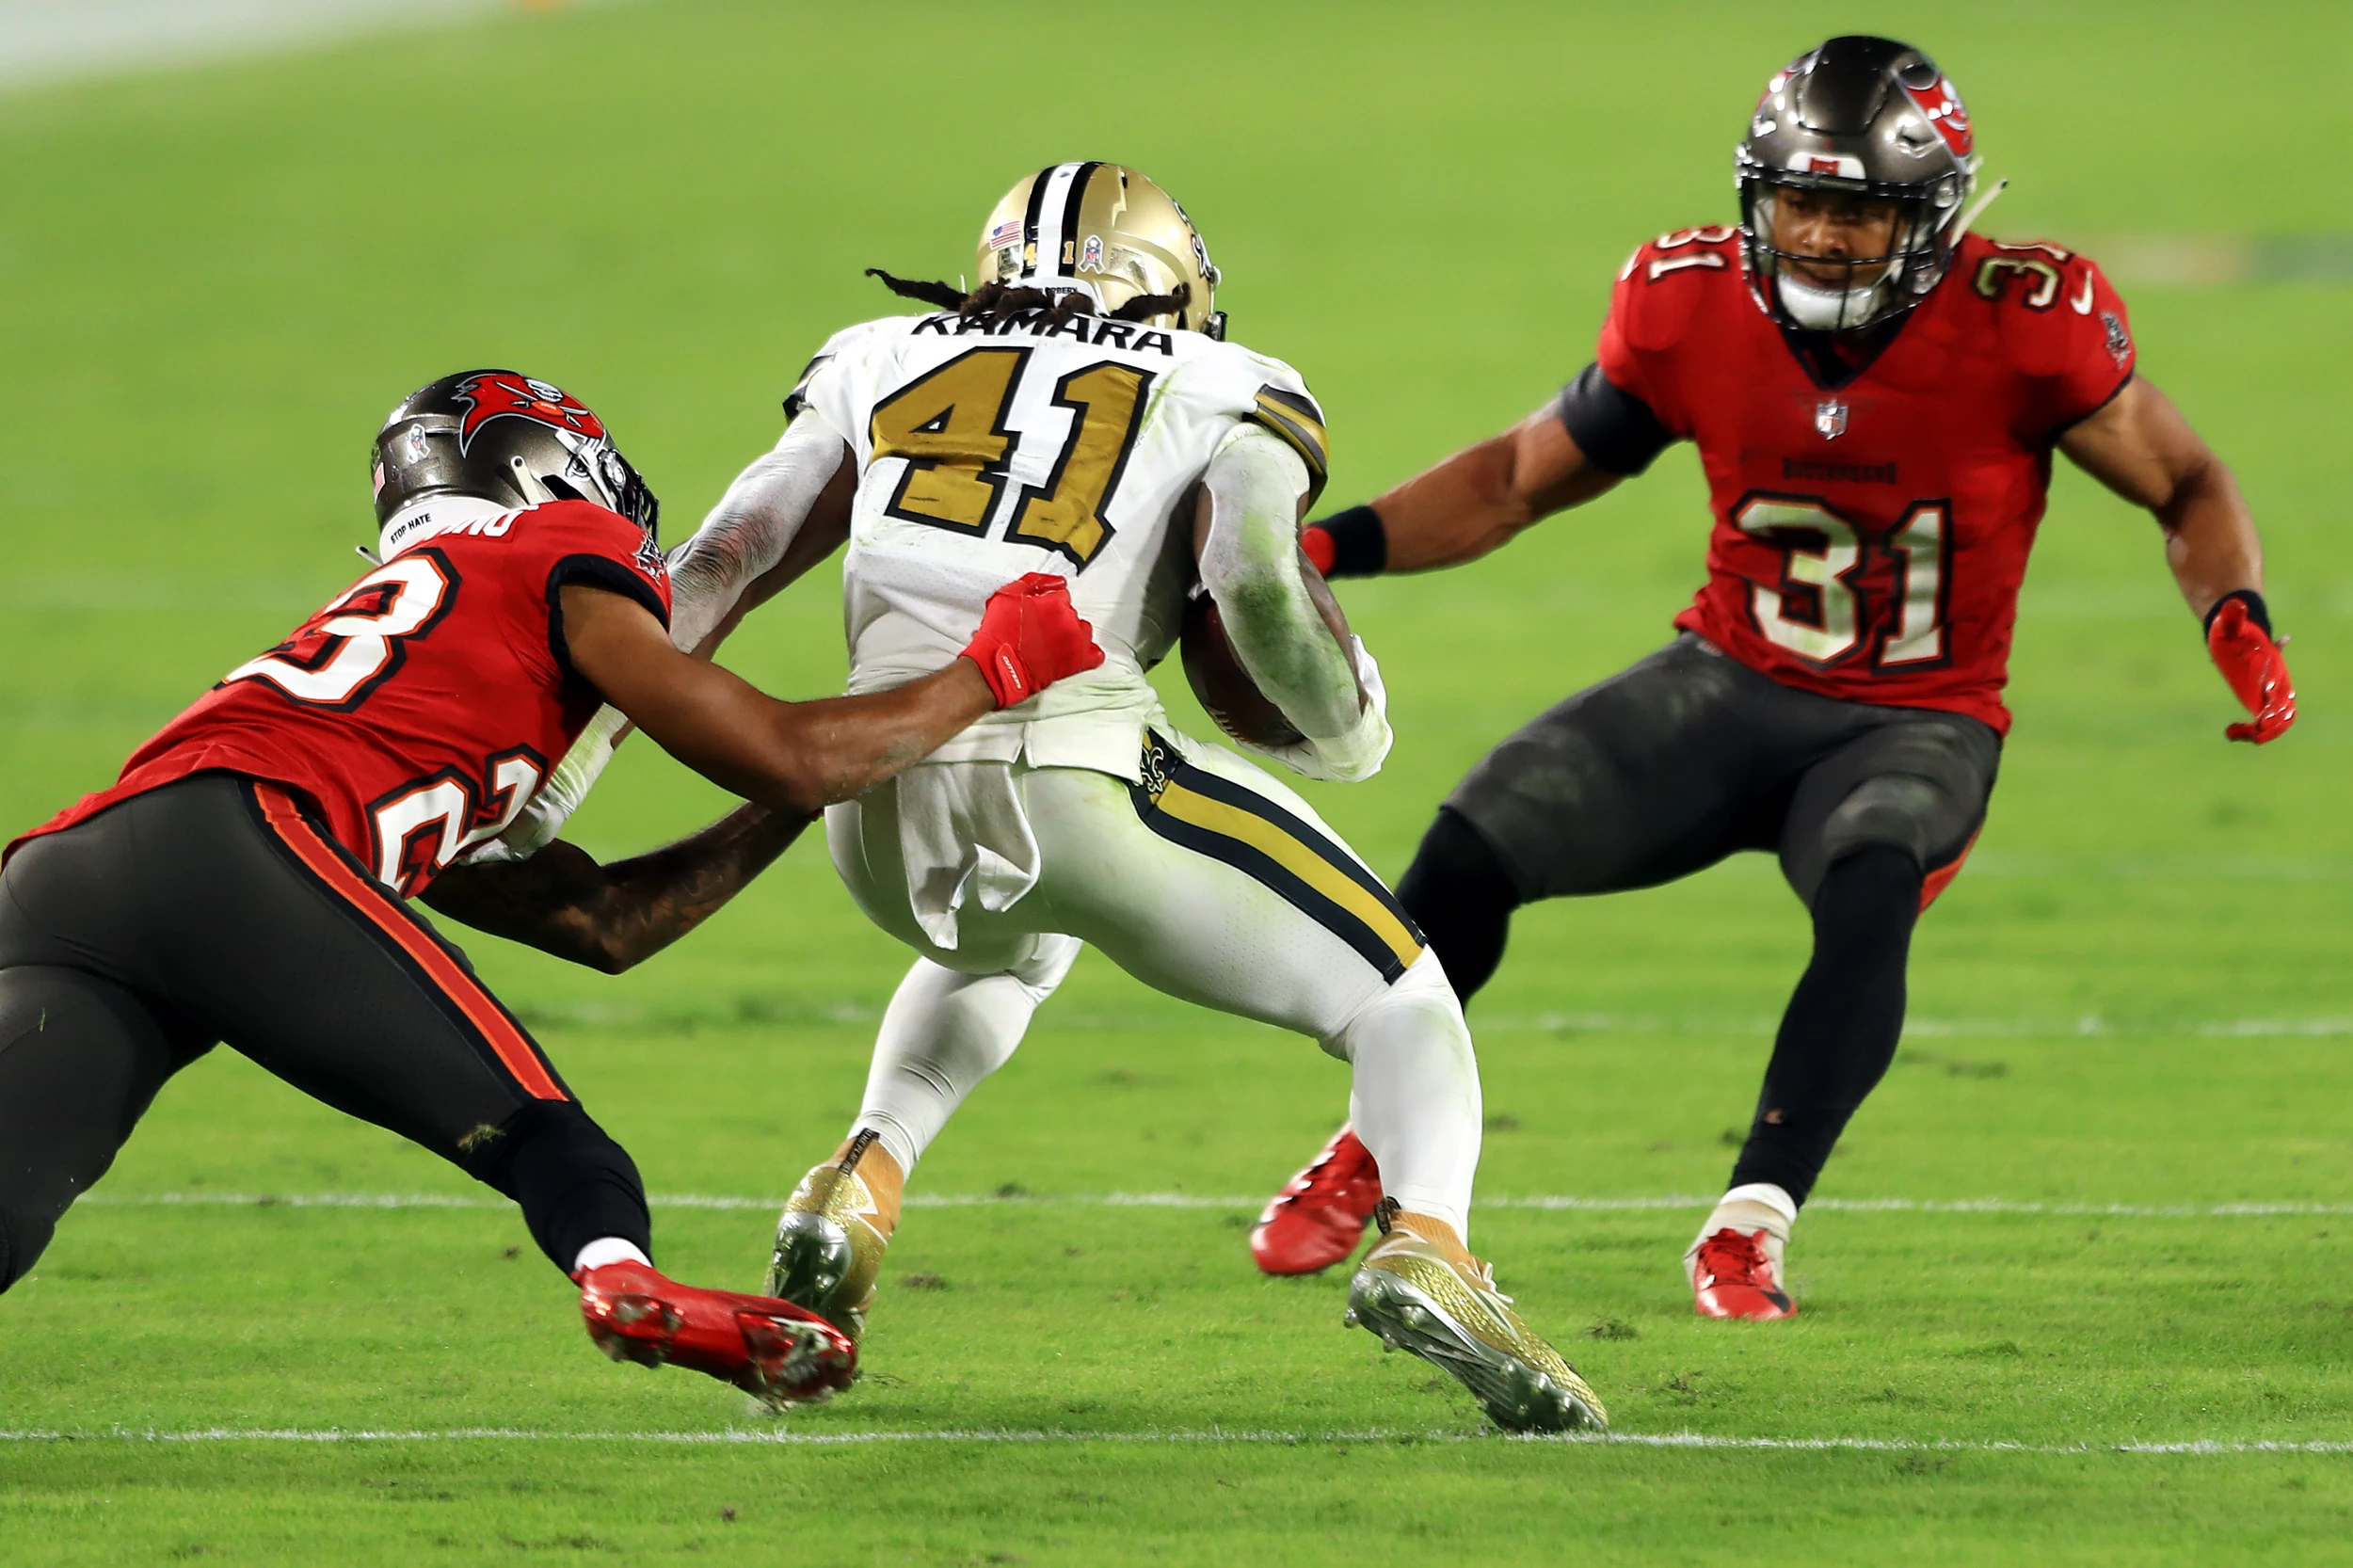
<point x="1970" y="214"/>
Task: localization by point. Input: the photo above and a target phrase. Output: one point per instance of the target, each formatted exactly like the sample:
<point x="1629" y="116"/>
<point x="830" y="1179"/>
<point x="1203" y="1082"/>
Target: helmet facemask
<point x="1864" y="118"/>
<point x="596" y="472"/>
<point x="1858" y="291"/>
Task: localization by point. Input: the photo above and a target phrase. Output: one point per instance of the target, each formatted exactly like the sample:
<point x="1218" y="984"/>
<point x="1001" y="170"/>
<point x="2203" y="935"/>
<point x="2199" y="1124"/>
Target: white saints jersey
<point x="987" y="451"/>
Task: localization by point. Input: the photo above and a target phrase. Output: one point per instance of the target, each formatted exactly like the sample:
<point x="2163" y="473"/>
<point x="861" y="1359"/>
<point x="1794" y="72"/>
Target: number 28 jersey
<point x="985" y="451"/>
<point x="421" y="709"/>
<point x="1871" y="531"/>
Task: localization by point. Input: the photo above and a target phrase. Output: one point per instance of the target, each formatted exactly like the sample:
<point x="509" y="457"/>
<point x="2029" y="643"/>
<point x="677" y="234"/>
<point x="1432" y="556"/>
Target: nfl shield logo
<point x="1830" y="418"/>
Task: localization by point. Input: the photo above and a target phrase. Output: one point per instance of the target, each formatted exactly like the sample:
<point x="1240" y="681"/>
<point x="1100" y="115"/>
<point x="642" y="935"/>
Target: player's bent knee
<point x="1049" y="963"/>
<point x="1422" y="995"/>
<point x="1897" y="811"/>
<point x="1455" y="868"/>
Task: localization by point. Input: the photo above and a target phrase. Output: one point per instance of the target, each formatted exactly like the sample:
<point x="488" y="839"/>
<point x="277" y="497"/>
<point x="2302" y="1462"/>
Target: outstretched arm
<point x="785" y="513"/>
<point x="611" y="918"/>
<point x="2139" y="446"/>
<point x="1467" y="505"/>
<point x="798" y="757"/>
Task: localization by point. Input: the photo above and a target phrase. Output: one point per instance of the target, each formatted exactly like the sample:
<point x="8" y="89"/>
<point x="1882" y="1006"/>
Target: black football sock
<point x="574" y="1183"/>
<point x="1460" y="896"/>
<point x="1840" y="1032"/>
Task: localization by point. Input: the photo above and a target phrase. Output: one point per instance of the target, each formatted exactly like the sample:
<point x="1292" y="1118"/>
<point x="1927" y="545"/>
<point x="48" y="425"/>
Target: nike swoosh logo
<point x="2083" y="303"/>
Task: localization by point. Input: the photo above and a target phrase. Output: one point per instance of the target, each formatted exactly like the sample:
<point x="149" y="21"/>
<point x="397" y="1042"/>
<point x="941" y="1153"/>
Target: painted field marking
<point x="1194" y="1200"/>
<point x="2195" y="1447"/>
<point x="761" y="1012"/>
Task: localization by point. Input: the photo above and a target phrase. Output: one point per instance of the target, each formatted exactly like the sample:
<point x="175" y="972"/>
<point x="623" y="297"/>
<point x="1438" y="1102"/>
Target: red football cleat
<point x="1319" y="1218"/>
<point x="1733" y="1276"/>
<point x="772" y="1350"/>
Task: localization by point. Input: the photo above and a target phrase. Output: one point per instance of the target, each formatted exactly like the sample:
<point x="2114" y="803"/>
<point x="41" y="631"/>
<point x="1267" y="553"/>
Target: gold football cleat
<point x="1451" y="1314"/>
<point x="830" y="1242"/>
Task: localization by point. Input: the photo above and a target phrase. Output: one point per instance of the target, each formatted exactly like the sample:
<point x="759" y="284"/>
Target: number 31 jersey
<point x="419" y="711"/>
<point x="1871" y="529"/>
<point x="988" y="450"/>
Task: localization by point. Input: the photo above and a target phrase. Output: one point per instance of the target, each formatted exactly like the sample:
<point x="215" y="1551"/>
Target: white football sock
<point x="608" y="1249"/>
<point x="1773" y="1197"/>
<point x="1749" y="1208"/>
<point x="942" y="1033"/>
<point x="1416" y="1100"/>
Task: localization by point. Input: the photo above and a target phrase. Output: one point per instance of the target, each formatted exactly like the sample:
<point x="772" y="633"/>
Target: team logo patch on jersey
<point x="2120" y="341"/>
<point x="1830" y="418"/>
<point x="489" y="397"/>
<point x="651" y="560"/>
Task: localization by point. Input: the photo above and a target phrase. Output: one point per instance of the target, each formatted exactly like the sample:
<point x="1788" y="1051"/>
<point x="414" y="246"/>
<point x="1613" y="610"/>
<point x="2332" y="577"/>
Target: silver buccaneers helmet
<point x="1865" y="116"/>
<point x="502" y="436"/>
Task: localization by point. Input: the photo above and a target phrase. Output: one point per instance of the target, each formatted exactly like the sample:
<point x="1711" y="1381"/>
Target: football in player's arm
<point x="1875" y="394"/>
<point x="246" y="879"/>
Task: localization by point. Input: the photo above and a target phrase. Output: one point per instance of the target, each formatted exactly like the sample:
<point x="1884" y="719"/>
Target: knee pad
<point x="1455" y="867"/>
<point x="1048" y="962"/>
<point x="1894" y="810"/>
<point x="1422" y="989"/>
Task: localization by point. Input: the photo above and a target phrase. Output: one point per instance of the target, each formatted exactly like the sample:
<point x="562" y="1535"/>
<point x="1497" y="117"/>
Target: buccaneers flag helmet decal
<point x="502" y="393"/>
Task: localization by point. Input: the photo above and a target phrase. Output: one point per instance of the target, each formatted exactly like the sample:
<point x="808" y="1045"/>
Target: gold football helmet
<point x="1107" y="231"/>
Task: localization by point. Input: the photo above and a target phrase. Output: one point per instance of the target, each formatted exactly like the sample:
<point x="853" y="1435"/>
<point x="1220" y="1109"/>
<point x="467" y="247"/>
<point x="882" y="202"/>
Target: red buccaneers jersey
<point x="421" y="709"/>
<point x="1871" y="537"/>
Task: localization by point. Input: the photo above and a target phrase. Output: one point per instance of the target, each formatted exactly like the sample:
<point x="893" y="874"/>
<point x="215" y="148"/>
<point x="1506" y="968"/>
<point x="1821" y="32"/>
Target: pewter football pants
<point x="1212" y="883"/>
<point x="216" y="909"/>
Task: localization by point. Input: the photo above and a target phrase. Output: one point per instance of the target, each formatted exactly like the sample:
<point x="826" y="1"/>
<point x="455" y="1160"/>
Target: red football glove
<point x="1031" y="637"/>
<point x="2257" y="671"/>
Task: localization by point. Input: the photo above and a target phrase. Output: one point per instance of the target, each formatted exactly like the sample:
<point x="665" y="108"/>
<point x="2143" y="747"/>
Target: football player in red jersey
<point x="246" y="879"/>
<point x="1876" y="394"/>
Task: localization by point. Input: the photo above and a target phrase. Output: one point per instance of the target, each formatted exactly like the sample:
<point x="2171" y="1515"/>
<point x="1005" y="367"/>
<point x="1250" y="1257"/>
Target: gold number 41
<point x="950" y="426"/>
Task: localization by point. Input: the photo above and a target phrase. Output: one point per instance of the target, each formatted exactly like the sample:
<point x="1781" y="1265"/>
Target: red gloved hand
<point x="1030" y="637"/>
<point x="2256" y="670"/>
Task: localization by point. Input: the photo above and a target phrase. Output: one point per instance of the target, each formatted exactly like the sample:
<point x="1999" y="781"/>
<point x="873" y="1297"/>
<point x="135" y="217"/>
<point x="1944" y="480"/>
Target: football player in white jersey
<point x="1080" y="413"/>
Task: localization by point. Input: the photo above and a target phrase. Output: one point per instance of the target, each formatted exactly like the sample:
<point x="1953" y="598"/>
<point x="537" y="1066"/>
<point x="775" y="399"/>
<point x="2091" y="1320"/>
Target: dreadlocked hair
<point x="996" y="302"/>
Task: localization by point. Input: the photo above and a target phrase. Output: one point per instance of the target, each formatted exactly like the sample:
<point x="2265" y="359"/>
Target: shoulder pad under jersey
<point x="847" y="343"/>
<point x="2057" y="312"/>
<point x="1665" y="279"/>
<point x="1266" y="391"/>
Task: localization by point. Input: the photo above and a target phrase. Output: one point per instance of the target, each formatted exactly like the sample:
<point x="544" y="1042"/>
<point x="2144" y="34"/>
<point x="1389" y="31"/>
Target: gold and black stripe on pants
<point x="1226" y="822"/>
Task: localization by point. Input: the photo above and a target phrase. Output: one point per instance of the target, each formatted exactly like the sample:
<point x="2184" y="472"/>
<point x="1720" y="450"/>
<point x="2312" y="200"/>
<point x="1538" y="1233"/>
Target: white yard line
<point x="777" y="1014"/>
<point x="1194" y="1200"/>
<point x="2196" y="1448"/>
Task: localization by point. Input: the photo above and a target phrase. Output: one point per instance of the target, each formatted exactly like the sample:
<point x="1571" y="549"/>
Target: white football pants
<point x="1222" y="888"/>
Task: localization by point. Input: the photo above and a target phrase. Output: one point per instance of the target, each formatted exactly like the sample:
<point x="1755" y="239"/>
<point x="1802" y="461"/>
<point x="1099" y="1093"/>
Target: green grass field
<point x="2074" y="1287"/>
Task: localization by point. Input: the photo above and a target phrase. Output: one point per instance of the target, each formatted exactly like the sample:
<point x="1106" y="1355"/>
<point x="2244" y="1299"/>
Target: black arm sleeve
<point x="1614" y="428"/>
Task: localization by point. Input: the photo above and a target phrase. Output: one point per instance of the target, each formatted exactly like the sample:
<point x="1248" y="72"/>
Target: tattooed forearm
<point x="610" y="917"/>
